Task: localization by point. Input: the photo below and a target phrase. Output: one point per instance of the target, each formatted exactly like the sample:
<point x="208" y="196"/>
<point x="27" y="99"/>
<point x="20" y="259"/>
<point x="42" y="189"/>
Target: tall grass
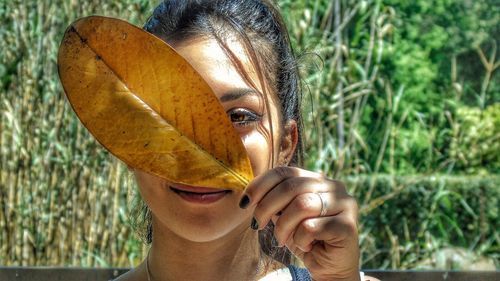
<point x="347" y="76"/>
<point x="352" y="38"/>
<point x="65" y="201"/>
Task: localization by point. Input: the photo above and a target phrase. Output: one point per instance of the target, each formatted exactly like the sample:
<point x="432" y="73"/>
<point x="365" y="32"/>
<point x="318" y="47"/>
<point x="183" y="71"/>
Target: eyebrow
<point x="237" y="93"/>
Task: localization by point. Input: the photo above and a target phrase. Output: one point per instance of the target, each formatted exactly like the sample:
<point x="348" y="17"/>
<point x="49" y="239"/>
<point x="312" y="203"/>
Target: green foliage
<point x="408" y="70"/>
<point x="405" y="221"/>
<point x="386" y="100"/>
<point x="436" y="60"/>
<point x="476" y="143"/>
<point x="414" y="85"/>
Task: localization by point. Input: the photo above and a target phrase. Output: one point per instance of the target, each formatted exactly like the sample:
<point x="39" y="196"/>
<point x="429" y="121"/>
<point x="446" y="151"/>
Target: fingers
<point x="313" y="216"/>
<point x="296" y="251"/>
<point x="309" y="205"/>
<point x="302" y="207"/>
<point x="334" y="230"/>
<point x="321" y="265"/>
<point x="301" y="198"/>
<point x="290" y="191"/>
<point x="262" y="184"/>
<point x="329" y="242"/>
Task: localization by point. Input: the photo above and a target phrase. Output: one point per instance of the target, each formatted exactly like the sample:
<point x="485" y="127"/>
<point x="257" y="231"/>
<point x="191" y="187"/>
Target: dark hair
<point x="260" y="28"/>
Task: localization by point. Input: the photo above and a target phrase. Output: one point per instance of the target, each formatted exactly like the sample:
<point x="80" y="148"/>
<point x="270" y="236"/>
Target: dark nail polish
<point x="255" y="224"/>
<point x="244" y="202"/>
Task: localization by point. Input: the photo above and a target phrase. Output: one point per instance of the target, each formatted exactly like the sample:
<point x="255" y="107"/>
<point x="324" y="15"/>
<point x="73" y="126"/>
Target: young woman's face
<point x="198" y="220"/>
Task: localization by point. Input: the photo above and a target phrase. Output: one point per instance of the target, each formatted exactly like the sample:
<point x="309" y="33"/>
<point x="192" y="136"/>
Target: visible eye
<point x="242" y="117"/>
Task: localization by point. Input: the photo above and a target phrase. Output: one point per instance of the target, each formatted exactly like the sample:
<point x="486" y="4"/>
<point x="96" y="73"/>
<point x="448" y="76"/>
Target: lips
<point x="200" y="195"/>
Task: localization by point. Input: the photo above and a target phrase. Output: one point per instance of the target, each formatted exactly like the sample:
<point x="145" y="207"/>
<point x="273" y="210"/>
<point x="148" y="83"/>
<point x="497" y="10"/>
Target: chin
<point x="203" y="237"/>
<point x="202" y="231"/>
<point x="202" y="225"/>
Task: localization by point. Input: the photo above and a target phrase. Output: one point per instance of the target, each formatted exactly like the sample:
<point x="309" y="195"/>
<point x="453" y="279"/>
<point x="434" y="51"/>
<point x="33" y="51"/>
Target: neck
<point x="228" y="258"/>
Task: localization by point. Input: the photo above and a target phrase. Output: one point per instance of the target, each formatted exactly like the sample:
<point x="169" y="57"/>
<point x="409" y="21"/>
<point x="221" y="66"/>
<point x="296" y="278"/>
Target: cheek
<point x="150" y="187"/>
<point x="259" y="151"/>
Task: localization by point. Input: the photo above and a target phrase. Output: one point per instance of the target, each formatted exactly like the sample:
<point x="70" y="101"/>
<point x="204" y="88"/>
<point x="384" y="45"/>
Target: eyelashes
<point x="243" y="118"/>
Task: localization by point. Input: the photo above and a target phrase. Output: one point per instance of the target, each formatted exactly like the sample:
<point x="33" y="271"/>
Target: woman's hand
<point x="313" y="216"/>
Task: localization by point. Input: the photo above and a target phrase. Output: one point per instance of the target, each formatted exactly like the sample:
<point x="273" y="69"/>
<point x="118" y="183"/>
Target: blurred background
<point x="401" y="101"/>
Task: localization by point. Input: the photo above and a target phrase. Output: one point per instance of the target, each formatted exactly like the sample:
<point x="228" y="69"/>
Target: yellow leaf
<point x="148" y="106"/>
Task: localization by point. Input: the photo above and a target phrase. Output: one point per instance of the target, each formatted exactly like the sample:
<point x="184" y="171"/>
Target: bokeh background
<point x="401" y="101"/>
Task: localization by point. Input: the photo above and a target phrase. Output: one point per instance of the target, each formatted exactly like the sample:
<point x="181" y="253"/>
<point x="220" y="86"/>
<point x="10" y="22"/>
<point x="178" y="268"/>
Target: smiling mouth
<point x="199" y="195"/>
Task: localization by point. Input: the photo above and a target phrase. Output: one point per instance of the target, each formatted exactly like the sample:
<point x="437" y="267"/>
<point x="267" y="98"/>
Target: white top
<point x="283" y="274"/>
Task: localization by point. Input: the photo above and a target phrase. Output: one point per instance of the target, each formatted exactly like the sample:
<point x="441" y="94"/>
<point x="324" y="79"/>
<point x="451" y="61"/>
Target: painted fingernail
<point x="254" y="225"/>
<point x="244" y="202"/>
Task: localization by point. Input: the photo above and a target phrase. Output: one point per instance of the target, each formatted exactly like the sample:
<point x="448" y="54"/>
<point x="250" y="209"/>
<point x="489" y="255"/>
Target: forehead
<point x="215" y="65"/>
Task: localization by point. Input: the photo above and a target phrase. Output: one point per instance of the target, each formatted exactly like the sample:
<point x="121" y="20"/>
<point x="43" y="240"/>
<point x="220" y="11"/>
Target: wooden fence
<point x="93" y="274"/>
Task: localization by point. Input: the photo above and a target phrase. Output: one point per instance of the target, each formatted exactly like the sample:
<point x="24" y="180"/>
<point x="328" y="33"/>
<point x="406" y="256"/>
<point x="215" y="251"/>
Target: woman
<point x="241" y="48"/>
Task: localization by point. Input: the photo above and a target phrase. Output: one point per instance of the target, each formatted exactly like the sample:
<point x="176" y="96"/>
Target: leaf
<point x="148" y="106"/>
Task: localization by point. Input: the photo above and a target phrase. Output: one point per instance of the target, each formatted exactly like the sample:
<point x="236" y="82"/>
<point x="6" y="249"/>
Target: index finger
<point x="263" y="183"/>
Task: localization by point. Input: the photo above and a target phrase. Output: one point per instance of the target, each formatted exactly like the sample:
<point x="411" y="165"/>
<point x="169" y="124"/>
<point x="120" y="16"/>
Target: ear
<point x="289" y="142"/>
